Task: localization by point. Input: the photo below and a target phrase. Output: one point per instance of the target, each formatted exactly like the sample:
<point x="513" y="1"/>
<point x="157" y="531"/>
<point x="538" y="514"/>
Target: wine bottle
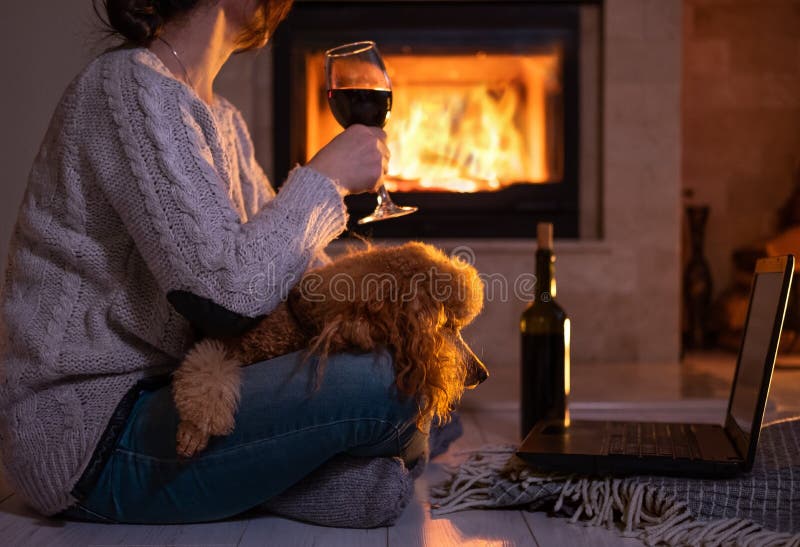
<point x="545" y="333"/>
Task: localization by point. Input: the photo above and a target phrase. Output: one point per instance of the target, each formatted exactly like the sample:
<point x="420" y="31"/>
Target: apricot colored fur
<point x="411" y="299"/>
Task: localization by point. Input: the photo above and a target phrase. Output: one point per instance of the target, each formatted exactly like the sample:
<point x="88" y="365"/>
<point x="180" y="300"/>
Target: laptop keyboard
<point x="653" y="439"/>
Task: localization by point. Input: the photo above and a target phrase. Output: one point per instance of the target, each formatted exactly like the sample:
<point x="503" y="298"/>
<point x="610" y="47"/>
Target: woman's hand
<point x="356" y="159"/>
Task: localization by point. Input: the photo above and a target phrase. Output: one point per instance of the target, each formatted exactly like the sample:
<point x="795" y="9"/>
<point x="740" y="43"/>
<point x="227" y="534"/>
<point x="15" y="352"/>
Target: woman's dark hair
<point x="140" y="22"/>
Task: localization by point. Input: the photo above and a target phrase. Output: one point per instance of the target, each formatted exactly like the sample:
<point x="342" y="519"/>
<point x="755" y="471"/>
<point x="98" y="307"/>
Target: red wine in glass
<point x="359" y="92"/>
<point x="364" y="106"/>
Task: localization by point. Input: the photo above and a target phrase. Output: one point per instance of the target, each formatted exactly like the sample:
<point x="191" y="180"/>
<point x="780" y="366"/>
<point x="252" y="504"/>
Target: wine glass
<point x="359" y="91"/>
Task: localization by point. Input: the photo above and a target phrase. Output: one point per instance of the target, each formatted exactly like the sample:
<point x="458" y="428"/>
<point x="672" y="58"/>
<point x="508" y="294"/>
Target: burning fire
<point x="462" y="123"/>
<point x="459" y="141"/>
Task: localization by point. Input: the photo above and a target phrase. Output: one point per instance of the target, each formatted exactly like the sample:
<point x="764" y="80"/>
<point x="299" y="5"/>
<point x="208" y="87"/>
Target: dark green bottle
<point x="545" y="333"/>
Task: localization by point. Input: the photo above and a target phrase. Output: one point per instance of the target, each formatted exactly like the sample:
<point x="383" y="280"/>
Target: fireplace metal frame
<point x="445" y="27"/>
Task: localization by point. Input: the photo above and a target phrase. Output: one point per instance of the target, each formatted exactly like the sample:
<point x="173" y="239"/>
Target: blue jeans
<point x="284" y="430"/>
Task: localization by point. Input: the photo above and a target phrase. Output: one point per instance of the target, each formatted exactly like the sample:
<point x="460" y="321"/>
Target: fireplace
<point x="485" y="127"/>
<point x="620" y="279"/>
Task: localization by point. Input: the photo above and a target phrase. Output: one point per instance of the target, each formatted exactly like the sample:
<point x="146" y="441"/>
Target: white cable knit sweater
<point x="139" y="188"/>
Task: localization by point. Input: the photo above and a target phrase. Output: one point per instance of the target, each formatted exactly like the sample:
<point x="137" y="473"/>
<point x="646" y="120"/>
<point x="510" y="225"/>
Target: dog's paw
<point x="191" y="439"/>
<point x="206" y="388"/>
<point x="222" y="419"/>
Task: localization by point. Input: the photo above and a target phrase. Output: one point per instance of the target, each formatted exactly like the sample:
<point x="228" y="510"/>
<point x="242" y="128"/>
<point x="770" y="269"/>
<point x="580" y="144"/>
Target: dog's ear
<point x="424" y="312"/>
<point x="354" y="333"/>
<point x="464" y="291"/>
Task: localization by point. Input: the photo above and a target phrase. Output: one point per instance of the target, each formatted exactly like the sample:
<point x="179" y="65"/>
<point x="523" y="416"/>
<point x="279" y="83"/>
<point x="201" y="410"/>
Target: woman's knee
<point x="370" y="380"/>
<point x="367" y="381"/>
<point x="354" y="395"/>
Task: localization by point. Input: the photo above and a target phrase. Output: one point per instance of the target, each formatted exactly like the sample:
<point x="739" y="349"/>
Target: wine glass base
<point x="386" y="213"/>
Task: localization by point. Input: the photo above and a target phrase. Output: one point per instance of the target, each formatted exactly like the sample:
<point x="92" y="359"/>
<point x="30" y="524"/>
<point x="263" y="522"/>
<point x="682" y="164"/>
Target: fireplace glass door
<point x="484" y="125"/>
<point x="471" y="122"/>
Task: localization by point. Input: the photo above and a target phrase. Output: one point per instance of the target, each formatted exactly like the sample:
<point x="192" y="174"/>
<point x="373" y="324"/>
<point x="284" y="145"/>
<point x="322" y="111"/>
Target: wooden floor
<point x="704" y="387"/>
<point x="19" y="526"/>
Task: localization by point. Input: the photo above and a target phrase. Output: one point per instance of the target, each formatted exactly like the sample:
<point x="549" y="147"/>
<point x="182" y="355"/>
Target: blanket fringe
<point x="643" y="510"/>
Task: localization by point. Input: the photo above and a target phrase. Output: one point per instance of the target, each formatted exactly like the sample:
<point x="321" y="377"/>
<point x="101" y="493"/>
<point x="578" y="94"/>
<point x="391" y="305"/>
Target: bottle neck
<point x="545" y="275"/>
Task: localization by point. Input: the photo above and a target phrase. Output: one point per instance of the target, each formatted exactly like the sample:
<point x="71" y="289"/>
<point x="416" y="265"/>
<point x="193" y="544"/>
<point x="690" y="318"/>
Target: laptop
<point x="701" y="450"/>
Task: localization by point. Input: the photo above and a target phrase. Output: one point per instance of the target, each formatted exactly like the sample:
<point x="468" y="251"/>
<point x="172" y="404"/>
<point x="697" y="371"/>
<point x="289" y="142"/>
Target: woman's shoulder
<point x="114" y="74"/>
<point x="138" y="67"/>
<point x="120" y="73"/>
<point x="122" y="63"/>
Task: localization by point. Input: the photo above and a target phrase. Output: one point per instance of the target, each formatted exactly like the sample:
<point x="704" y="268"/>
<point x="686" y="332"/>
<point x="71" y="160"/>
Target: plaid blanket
<point x="761" y="507"/>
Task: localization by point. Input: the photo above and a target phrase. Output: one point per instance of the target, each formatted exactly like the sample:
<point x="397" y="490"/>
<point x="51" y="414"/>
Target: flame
<point x="456" y="141"/>
<point x="462" y="123"/>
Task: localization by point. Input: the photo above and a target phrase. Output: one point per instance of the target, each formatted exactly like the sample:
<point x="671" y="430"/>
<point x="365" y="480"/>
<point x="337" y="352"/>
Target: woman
<point x="146" y="219"/>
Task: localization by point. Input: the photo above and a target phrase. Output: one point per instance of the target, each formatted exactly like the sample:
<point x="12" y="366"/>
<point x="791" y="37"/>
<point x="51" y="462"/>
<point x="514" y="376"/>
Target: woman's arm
<point x="170" y="193"/>
<point x="256" y="187"/>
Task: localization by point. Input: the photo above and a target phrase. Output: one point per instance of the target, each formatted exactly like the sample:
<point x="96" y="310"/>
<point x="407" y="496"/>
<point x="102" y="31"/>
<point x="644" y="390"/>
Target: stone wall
<point x="741" y="118"/>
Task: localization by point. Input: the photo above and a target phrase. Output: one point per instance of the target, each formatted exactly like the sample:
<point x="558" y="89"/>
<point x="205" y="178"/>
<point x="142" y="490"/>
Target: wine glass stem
<point x="383" y="196"/>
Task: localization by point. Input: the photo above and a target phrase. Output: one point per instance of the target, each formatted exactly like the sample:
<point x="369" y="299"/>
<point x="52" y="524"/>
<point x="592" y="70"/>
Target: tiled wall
<point x="741" y="117"/>
<point x="622" y="291"/>
<point x="642" y="168"/>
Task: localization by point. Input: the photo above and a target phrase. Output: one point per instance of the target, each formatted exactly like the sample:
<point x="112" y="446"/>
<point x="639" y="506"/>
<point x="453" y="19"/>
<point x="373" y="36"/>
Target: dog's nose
<point x="477" y="372"/>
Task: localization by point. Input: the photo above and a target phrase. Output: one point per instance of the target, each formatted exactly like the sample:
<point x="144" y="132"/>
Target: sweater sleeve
<point x="171" y="195"/>
<point x="259" y="191"/>
<point x="256" y="186"/>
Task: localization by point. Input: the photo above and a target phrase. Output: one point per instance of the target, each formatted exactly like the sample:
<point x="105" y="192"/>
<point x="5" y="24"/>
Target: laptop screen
<point x="755" y="350"/>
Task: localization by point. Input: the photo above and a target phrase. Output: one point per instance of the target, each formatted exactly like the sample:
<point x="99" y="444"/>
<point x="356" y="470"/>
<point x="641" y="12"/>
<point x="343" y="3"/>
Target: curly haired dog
<point x="411" y="299"/>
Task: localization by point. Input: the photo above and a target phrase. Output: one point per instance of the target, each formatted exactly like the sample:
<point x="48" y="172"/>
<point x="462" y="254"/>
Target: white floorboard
<point x="270" y="530"/>
<point x="558" y="532"/>
<point x="21" y="526"/>
<point x="470" y="440"/>
<point x="416" y="527"/>
<point x="468" y="528"/>
<point x="498" y="426"/>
